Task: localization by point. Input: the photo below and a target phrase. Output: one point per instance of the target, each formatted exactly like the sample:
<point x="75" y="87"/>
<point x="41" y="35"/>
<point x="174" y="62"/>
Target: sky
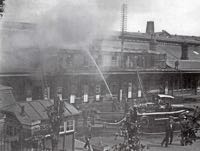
<point x="76" y="23"/>
<point x="175" y="16"/>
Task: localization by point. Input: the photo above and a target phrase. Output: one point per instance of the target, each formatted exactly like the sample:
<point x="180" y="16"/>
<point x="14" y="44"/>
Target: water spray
<point x="100" y="72"/>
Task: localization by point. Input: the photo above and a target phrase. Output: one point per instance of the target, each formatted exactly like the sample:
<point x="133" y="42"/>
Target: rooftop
<point x="36" y="110"/>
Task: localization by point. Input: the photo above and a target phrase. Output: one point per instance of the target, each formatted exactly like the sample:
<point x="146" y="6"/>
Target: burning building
<point x="151" y="61"/>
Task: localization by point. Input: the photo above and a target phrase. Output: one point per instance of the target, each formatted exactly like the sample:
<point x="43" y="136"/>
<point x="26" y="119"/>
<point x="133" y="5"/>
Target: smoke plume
<point x="32" y="25"/>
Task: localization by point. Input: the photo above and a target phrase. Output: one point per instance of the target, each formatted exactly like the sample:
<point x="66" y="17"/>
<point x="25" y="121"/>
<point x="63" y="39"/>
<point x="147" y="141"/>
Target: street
<point x="152" y="143"/>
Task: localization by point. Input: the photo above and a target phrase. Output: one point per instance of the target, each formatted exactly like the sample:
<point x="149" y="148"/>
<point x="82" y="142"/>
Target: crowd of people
<point x="188" y="126"/>
<point x="130" y="130"/>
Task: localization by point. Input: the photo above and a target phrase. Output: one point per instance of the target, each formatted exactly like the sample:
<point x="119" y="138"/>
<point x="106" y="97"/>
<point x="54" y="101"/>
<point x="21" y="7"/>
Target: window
<point x="129" y="61"/>
<point x="140" y="61"/>
<point x="65" y="60"/>
<point x="62" y="129"/>
<point x="114" y="60"/>
<point x="114" y="88"/>
<point x="198" y="85"/>
<point x="69" y="59"/>
<point x="85" y="61"/>
<point x="59" y="91"/>
<point x="85" y="93"/>
<point x="98" y="89"/>
<point x="98" y="59"/>
<point x="129" y="90"/>
<point x="72" y="99"/>
<point x="11" y="131"/>
<point x="67" y="126"/>
<point x="47" y="93"/>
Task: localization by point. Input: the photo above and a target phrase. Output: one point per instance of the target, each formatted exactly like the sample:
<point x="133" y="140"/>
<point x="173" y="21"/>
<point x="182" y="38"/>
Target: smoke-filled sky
<point x="61" y="22"/>
<point x="58" y="24"/>
<point x="175" y="16"/>
<point x="75" y="23"/>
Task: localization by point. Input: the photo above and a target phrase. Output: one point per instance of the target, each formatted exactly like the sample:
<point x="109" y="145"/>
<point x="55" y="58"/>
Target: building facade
<point x="149" y="62"/>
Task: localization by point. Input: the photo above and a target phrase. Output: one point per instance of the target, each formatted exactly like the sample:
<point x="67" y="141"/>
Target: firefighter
<point x="168" y="130"/>
<point x="126" y="107"/>
<point x="87" y="142"/>
<point x="191" y="131"/>
<point x="185" y="130"/>
<point x="114" y="105"/>
<point x="171" y="129"/>
<point x="176" y="64"/>
<point x="196" y="112"/>
<point x="133" y="114"/>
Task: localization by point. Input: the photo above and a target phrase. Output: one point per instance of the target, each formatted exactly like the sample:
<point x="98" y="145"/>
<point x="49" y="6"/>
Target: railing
<point x="92" y="69"/>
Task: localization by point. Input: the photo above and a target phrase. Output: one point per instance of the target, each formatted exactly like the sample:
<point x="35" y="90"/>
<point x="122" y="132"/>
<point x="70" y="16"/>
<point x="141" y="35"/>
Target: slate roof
<point x="177" y="39"/>
<point x="186" y="65"/>
<point x="36" y="110"/>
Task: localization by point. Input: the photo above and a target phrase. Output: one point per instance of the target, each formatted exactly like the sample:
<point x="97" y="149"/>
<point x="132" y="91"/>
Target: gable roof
<point x="36" y="110"/>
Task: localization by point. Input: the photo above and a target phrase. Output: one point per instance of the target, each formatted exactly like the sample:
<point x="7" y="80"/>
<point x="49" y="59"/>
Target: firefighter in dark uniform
<point x="168" y="133"/>
<point x="171" y="129"/>
<point x="126" y="107"/>
<point x="87" y="143"/>
<point x="133" y="114"/>
<point x="185" y="130"/>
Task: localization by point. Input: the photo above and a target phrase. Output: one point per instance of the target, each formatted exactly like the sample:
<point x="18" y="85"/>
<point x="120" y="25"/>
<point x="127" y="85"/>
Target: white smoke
<point x="54" y="24"/>
<point x="60" y="23"/>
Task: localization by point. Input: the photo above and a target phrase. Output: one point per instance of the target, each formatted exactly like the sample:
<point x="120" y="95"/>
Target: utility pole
<point x="55" y="115"/>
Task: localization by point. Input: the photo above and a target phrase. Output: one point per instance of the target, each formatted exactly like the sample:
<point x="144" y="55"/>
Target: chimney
<point x="184" y="50"/>
<point x="150" y="27"/>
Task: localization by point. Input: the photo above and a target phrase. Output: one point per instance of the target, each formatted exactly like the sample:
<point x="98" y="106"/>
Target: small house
<point x="26" y="126"/>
